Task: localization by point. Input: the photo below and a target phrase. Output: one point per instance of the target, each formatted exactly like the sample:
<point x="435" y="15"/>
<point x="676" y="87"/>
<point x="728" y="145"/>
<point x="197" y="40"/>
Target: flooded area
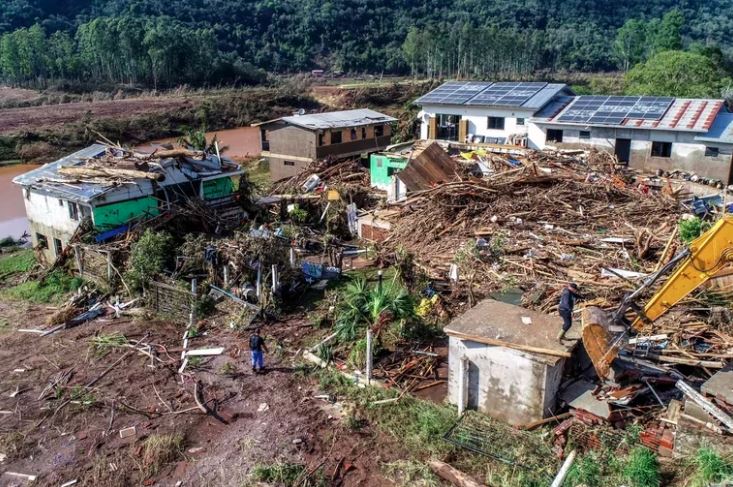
<point x="239" y="143"/>
<point x="12" y="210"/>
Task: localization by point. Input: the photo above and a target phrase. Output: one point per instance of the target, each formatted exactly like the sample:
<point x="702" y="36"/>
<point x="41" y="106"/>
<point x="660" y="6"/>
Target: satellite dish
<point x="301" y="111"/>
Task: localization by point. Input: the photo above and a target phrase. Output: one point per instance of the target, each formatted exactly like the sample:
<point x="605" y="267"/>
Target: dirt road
<point x="67" y="433"/>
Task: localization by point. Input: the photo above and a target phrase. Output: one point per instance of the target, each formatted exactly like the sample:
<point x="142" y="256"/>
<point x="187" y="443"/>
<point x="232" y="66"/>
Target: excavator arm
<point x="702" y="260"/>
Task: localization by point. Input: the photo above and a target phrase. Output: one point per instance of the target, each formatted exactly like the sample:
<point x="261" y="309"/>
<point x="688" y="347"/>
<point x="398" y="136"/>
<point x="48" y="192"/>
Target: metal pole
<point x="369" y="357"/>
<point x="380" y="275"/>
<point x="226" y="276"/>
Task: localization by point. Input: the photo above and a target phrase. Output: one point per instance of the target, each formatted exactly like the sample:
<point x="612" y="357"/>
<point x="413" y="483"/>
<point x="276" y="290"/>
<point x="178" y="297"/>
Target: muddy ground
<point x="257" y="419"/>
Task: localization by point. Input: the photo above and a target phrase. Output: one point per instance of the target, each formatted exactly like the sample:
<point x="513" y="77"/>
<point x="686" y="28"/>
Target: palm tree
<point x="372" y="307"/>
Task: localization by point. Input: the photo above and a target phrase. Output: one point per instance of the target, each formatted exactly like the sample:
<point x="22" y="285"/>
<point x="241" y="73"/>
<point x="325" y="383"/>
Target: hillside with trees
<point x="160" y="43"/>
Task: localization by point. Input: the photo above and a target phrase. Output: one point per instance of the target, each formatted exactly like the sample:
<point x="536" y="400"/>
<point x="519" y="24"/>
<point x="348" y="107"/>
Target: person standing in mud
<point x="257" y="349"/>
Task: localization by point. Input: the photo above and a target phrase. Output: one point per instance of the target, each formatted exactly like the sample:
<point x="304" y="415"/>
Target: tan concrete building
<point x="290" y="144"/>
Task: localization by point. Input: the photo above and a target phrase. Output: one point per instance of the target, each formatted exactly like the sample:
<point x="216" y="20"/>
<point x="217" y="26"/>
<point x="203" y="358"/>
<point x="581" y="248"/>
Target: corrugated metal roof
<point x="552" y="109"/>
<point x="428" y="167"/>
<point x="683" y="114"/>
<point x="721" y="131"/>
<point x="47" y="172"/>
<point x="341" y="119"/>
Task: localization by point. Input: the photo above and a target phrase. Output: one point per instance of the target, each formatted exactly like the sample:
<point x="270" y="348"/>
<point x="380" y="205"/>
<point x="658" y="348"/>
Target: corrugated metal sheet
<point x="77" y="192"/>
<point x="341" y="119"/>
<point x="721" y="131"/>
<point x="427" y="168"/>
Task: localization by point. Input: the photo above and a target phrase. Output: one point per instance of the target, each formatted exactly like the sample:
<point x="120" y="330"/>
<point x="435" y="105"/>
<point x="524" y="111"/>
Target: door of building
<point x="623" y="150"/>
<point x="473" y="386"/>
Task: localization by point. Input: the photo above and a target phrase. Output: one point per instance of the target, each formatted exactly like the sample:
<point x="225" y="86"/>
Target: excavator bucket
<point x="597" y="339"/>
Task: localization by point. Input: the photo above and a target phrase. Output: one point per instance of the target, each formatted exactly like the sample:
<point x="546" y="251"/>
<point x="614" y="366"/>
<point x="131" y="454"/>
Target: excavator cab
<point x="604" y="332"/>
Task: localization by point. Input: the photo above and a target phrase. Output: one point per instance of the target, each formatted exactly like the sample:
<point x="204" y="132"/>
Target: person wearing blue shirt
<point x="567" y="302"/>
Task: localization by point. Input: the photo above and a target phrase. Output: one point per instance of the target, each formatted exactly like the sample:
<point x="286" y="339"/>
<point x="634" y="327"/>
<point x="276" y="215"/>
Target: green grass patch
<point x="159" y="450"/>
<point x="710" y="468"/>
<point x="642" y="468"/>
<point x="52" y="290"/>
<point x="16" y="263"/>
<point x="288" y="475"/>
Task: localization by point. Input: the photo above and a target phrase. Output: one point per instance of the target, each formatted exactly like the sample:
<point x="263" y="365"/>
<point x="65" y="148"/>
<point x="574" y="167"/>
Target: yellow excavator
<point x="705" y="257"/>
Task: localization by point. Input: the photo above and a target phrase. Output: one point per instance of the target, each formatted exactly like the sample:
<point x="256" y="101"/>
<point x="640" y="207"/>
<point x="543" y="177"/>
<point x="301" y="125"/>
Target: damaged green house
<point x="57" y="199"/>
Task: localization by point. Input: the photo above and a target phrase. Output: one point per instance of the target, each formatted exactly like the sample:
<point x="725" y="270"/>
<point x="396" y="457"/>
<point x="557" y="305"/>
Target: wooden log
<point x="540" y="422"/>
<point x="516" y="346"/>
<point x="452" y="475"/>
<point x="109" y="172"/>
<point x="597" y="339"/>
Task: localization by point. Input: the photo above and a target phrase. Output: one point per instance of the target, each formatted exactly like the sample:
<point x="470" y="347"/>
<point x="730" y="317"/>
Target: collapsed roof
<point x="91" y="173"/>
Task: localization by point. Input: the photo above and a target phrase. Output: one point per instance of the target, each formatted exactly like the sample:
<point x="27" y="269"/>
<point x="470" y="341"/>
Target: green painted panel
<point x="117" y="214"/>
<point x="218" y="188"/>
<point x="382" y="167"/>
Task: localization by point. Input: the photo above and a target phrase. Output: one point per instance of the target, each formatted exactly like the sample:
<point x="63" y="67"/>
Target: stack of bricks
<point x="660" y="440"/>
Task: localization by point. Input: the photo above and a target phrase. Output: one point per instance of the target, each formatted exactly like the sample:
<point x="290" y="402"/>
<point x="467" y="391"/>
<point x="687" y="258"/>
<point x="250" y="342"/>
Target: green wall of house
<point x="111" y="216"/>
<point x="383" y="166"/>
<point x="218" y="188"/>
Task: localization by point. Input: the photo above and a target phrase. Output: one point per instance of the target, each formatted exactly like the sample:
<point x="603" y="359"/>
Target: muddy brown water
<point x="239" y="143"/>
<point x="12" y="208"/>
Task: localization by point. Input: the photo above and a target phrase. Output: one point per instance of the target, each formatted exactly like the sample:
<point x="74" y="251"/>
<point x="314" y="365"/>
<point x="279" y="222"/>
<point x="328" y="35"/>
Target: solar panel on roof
<point x="507" y="94"/>
<point x="454" y="93"/>
<point x="613" y="110"/>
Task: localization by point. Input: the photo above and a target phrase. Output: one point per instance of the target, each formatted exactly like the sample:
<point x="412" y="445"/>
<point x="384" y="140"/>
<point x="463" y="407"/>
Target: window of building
<point x="321" y="138"/>
<point x="661" y="149"/>
<point x="495" y="123"/>
<point x="335" y="137"/>
<point x="61" y="202"/>
<point x="554" y="135"/>
<point x="73" y="211"/>
<point x="584" y="134"/>
<point x="57" y="247"/>
<point x="288" y="163"/>
<point x="86" y="211"/>
<point x="378" y="130"/>
<point x="379" y="162"/>
<point x="712" y="152"/>
<point x="42" y="241"/>
<point x="520" y="121"/>
<point x="352" y="134"/>
<point x="363" y="132"/>
<point x="392" y="170"/>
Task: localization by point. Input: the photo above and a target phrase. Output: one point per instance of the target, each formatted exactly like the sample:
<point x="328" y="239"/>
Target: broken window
<point x="57" y="246"/>
<point x="353" y="134"/>
<point x="520" y="121"/>
<point x="288" y="163"/>
<point x="73" y="211"/>
<point x="41" y="241"/>
<point x="712" y="152"/>
<point x="378" y="130"/>
<point x="335" y="137"/>
<point x="661" y="149"/>
<point x="584" y="134"/>
<point x="554" y="135"/>
<point x="495" y="123"/>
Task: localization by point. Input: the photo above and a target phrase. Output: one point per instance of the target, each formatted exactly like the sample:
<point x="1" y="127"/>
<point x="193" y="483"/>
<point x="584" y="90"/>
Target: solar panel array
<point x="454" y="93"/>
<point x="613" y="110"/>
<point x="507" y="94"/>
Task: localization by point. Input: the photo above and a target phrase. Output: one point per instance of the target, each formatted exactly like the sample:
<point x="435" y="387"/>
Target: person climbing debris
<point x="567" y="302"/>
<point x="258" y="349"/>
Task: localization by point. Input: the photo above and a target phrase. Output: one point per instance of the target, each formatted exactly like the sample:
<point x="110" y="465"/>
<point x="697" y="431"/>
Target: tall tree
<point x="630" y="44"/>
<point x="676" y="73"/>
<point x="666" y="35"/>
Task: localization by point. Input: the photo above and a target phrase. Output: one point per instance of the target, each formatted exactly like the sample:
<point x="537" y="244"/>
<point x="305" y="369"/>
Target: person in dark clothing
<point x="257" y="348"/>
<point x="567" y="303"/>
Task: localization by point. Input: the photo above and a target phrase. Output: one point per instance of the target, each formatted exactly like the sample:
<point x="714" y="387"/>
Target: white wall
<point x="478" y="119"/>
<point x="513" y="386"/>
<point x="47" y="211"/>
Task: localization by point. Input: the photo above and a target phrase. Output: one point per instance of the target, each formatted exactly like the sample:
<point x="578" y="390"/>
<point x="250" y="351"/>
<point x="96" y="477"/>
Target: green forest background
<point x="681" y="48"/>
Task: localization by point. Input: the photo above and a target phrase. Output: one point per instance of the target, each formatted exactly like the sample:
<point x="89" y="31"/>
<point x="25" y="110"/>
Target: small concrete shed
<point x="506" y="361"/>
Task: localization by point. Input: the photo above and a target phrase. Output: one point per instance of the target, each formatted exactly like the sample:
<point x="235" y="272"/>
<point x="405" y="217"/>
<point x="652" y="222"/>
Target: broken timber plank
<point x="204" y="352"/>
<point x="708" y="406"/>
<point x="452" y="475"/>
<point x="516" y="346"/>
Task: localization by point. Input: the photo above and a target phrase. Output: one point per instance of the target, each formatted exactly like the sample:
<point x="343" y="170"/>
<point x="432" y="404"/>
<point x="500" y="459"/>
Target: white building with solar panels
<point x="485" y="112"/>
<point x="648" y="133"/>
